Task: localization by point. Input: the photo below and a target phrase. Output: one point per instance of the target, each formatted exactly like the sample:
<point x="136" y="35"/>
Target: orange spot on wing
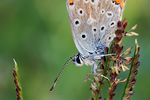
<point x="120" y="1"/>
<point x="122" y="4"/>
<point x="70" y="1"/>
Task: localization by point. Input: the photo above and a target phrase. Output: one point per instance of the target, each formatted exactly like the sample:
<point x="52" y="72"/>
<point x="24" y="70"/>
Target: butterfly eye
<point x="81" y="12"/>
<point x="84" y="36"/>
<point x="77" y="22"/>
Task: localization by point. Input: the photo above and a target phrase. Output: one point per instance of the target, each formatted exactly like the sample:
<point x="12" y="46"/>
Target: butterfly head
<point x="78" y="61"/>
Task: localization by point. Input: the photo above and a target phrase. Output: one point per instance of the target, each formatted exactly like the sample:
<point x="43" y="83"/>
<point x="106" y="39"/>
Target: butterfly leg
<point x="94" y="69"/>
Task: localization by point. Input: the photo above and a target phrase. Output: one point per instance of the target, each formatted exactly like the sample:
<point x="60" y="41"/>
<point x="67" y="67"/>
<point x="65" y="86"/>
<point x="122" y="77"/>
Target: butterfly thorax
<point x="89" y="58"/>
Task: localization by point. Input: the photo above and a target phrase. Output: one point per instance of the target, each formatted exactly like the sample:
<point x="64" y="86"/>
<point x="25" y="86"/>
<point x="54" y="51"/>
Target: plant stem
<point x="105" y="72"/>
<point x="128" y="79"/>
<point x="17" y="82"/>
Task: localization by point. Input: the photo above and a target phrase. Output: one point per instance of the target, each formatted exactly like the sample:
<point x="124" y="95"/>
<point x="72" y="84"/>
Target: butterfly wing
<point x="93" y="21"/>
<point x="111" y="12"/>
<point x="79" y="12"/>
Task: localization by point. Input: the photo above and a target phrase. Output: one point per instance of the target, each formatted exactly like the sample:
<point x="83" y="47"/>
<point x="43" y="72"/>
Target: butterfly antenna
<point x="67" y="62"/>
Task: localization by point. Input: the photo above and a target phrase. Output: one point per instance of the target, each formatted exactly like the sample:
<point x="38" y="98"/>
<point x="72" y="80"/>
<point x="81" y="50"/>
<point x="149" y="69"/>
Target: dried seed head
<point x="17" y="91"/>
<point x="130" y="88"/>
<point x="128" y="59"/>
<point x="93" y="86"/>
<point x="138" y="50"/>
<point x="97" y="91"/>
<point x="127" y="53"/>
<point x="18" y="88"/>
<point x="112" y="96"/>
<point x="96" y="79"/>
<point x="119" y="24"/>
<point x="116" y="47"/>
<point x="132" y="34"/>
<point x="134" y="27"/>
<point x="87" y="77"/>
<point x="102" y="67"/>
<point x="91" y="99"/>
<point x="134" y="73"/>
<point x="137" y="57"/>
<point x="124" y="21"/>
<point x="129" y="49"/>
<point x="125" y="68"/>
<point x="99" y="97"/>
<point x="18" y="97"/>
<point x="124" y="80"/>
<point x="133" y="81"/>
<point x="106" y="50"/>
<point x="94" y="93"/>
<point x="137" y="64"/>
<point x="100" y="81"/>
<point x="117" y="81"/>
<point x="120" y="50"/>
<point x="114" y="85"/>
<point x="103" y="59"/>
<point x="15" y="73"/>
<point x="118" y="32"/>
<point x="127" y="63"/>
<point x="90" y="88"/>
<point x="130" y="92"/>
<point x="125" y="26"/>
<point x="117" y="39"/>
<point x="15" y="81"/>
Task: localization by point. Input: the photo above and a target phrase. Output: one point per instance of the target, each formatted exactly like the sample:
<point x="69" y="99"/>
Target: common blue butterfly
<point x="93" y="25"/>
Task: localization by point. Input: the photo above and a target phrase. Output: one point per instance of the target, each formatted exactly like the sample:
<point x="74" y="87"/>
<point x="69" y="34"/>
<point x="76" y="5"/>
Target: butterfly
<point x="93" y="25"/>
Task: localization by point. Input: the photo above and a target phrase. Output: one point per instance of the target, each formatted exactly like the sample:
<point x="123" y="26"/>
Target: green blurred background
<point x="37" y="34"/>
